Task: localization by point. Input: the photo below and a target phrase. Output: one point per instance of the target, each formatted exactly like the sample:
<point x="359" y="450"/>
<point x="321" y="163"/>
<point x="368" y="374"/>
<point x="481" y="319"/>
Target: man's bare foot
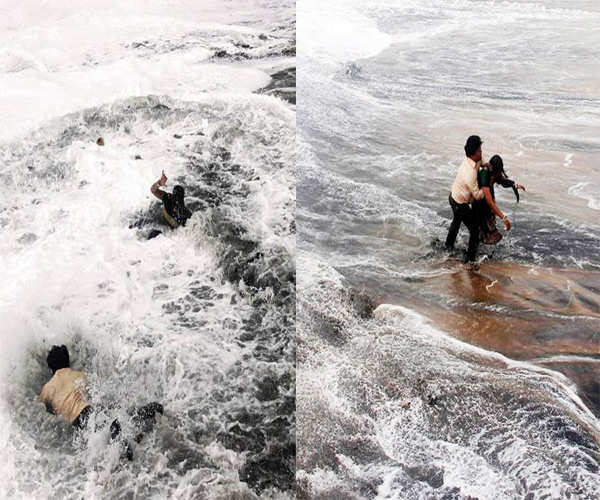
<point x="471" y="266"/>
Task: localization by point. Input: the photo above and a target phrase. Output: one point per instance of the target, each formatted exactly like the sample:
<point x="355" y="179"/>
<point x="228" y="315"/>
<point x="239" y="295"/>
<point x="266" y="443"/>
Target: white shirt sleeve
<point x="473" y="186"/>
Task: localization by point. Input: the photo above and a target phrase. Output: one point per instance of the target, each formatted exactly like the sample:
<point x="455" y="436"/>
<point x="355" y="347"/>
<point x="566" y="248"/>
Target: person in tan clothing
<point x="174" y="210"/>
<point x="66" y="394"/>
<point x="465" y="190"/>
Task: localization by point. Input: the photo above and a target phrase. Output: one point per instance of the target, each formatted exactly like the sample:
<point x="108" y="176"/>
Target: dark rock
<point x="27" y="238"/>
<point x="160" y="107"/>
<point x="238" y="439"/>
<point x="288" y="407"/>
<point x="203" y="292"/>
<point x="430" y="474"/>
<point x="273" y="469"/>
<point x="282" y="85"/>
<point x="221" y="54"/>
<point x="268" y="389"/>
<point x="289" y="51"/>
<point x="362" y="304"/>
<point x="353" y="70"/>
<point x="247" y="336"/>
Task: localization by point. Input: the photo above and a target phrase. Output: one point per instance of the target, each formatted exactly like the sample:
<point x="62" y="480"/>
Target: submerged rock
<point x="282" y="85"/>
<point x="27" y="238"/>
<point x="272" y="469"/>
<point x="362" y="304"/>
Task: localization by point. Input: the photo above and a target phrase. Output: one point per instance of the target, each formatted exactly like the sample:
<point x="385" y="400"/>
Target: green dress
<point x="488" y="232"/>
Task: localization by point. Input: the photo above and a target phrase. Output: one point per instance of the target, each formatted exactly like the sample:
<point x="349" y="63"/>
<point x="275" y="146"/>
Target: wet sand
<point x="547" y="316"/>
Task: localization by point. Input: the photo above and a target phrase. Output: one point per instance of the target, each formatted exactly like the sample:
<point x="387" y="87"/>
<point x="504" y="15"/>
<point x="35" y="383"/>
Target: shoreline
<point x="523" y="312"/>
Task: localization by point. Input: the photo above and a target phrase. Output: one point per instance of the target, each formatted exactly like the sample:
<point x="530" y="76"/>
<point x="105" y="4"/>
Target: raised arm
<point x="160" y="182"/>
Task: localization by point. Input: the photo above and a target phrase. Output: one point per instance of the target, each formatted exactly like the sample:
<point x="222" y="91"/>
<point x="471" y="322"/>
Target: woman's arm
<point x="155" y="191"/>
<point x="506" y="183"/>
<point x="160" y="182"/>
<point x="492" y="204"/>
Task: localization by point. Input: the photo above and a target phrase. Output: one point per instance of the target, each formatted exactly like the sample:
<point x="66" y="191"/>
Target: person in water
<point x="465" y="191"/>
<point x="66" y="395"/>
<point x="174" y="210"/>
<point x="486" y="209"/>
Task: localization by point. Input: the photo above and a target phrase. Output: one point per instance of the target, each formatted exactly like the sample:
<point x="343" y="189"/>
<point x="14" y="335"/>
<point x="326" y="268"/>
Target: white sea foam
<point x="588" y="191"/>
<point x="338" y="31"/>
<point x="395" y="406"/>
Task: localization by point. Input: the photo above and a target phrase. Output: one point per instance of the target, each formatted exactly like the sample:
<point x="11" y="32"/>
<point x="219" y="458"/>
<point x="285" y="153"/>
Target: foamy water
<point x="200" y="319"/>
<point x="383" y="116"/>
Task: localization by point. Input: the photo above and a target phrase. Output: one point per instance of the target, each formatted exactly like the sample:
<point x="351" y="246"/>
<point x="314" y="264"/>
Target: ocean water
<point x="201" y="319"/>
<point x="418" y="379"/>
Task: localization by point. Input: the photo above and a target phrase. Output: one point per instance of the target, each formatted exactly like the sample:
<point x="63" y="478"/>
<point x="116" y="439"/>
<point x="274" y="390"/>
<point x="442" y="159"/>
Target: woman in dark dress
<point x="486" y="209"/>
<point x="174" y="210"/>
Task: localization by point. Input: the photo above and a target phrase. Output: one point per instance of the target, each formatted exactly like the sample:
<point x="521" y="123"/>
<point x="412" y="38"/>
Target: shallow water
<point x="202" y="318"/>
<point x="383" y="114"/>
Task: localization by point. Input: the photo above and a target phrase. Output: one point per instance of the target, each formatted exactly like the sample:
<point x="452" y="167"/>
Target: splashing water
<point x="390" y="405"/>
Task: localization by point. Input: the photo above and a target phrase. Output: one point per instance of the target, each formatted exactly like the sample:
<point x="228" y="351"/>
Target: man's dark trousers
<point x="463" y="213"/>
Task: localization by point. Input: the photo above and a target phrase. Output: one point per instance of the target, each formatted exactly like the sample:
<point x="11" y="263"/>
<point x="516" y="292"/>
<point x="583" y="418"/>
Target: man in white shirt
<point x="465" y="190"/>
<point x="67" y="394"/>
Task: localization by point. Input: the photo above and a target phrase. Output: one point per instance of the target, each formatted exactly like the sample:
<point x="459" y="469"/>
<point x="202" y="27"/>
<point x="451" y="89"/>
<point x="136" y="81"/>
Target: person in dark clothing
<point x="486" y="209"/>
<point x="174" y="210"/>
<point x="66" y="394"/>
<point x="464" y="191"/>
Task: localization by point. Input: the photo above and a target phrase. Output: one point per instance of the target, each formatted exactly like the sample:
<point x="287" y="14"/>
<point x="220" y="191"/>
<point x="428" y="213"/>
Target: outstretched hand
<point x="163" y="179"/>
<point x="520" y="186"/>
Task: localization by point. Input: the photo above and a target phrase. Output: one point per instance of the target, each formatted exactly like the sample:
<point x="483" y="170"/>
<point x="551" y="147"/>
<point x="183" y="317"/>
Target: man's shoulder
<point x="468" y="167"/>
<point x="467" y="163"/>
<point x="67" y="373"/>
<point x="77" y="374"/>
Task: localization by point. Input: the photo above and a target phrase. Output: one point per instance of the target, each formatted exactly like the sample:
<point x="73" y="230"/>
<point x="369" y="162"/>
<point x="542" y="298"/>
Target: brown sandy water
<point x="550" y="317"/>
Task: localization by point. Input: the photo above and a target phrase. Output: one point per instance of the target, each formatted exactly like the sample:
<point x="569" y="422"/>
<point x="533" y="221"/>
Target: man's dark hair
<point x="58" y="357"/>
<point x="178" y="192"/>
<point x="472" y="144"/>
